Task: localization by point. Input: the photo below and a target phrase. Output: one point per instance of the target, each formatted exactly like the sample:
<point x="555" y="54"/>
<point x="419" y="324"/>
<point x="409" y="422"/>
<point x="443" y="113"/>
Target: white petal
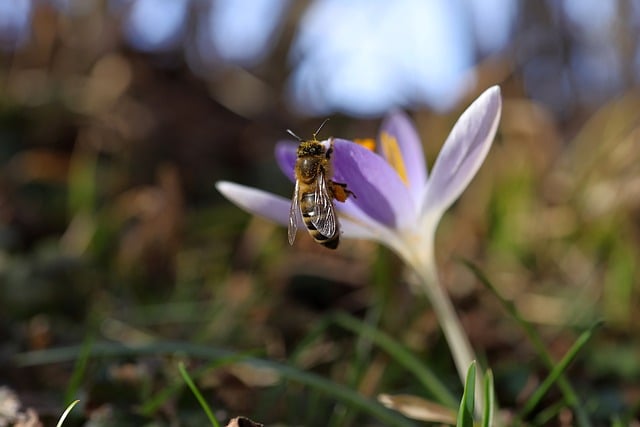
<point x="463" y="153"/>
<point x="256" y="201"/>
<point x="276" y="208"/>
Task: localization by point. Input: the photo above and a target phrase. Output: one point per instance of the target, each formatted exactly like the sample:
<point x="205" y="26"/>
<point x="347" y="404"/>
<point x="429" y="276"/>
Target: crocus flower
<point x="398" y="204"/>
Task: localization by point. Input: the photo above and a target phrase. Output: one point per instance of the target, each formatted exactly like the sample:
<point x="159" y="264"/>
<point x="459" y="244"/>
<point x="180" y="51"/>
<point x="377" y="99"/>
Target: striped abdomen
<point x="310" y="210"/>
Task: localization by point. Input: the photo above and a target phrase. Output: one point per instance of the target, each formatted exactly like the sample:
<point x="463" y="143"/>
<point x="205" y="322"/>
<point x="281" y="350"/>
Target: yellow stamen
<point x="391" y="151"/>
<point x="368" y="143"/>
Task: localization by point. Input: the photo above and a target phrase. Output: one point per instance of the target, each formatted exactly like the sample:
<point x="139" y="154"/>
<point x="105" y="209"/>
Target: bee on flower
<point x="315" y="191"/>
<point x="399" y="204"/>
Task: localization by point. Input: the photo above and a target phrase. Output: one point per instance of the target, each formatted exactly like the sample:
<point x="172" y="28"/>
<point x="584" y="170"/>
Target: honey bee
<point x="314" y="193"/>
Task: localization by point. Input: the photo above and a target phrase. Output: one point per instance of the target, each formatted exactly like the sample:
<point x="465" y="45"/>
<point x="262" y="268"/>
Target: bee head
<point x="313" y="139"/>
<point x="310" y="148"/>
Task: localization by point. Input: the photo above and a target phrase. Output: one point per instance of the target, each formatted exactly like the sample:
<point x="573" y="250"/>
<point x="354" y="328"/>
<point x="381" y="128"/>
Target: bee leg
<point x="329" y="152"/>
<point x="341" y="192"/>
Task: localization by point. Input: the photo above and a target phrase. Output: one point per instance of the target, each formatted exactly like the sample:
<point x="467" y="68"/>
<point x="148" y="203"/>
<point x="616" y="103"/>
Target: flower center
<point x="391" y="151"/>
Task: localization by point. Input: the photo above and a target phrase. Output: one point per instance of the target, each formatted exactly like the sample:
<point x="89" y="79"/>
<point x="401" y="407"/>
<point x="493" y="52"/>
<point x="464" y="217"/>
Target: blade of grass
<point x="557" y="371"/>
<point x="109" y="350"/>
<point x="314" y="410"/>
<point x="66" y="412"/>
<point x="489" y="400"/>
<point x="341" y="415"/>
<point x="617" y="422"/>
<point x="359" y="366"/>
<point x="205" y="406"/>
<point x="155" y="402"/>
<point x="568" y="392"/>
<point x="465" y="411"/>
<point x="411" y="363"/>
<point x="79" y="369"/>
<point x="310" y="337"/>
<point x="316" y="332"/>
<point x="546" y="415"/>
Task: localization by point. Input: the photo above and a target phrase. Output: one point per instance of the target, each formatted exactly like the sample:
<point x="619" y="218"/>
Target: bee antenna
<point x="320" y="127"/>
<point x="290" y="132"/>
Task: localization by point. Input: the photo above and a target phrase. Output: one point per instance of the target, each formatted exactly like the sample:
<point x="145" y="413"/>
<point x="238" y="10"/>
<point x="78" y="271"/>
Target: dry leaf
<point x="418" y="408"/>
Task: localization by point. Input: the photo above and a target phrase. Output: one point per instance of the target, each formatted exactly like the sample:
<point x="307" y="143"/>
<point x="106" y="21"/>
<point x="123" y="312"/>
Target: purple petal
<point x="373" y="207"/>
<point x="285" y="153"/>
<point x="276" y="209"/>
<point x="257" y="202"/>
<point x="380" y="192"/>
<point x="398" y="125"/>
<point x="463" y="152"/>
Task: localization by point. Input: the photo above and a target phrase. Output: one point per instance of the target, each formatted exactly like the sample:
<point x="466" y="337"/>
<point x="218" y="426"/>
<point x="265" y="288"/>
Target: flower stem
<point x="461" y="350"/>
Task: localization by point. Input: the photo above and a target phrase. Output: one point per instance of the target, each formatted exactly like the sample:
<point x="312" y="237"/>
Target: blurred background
<point x="118" y="116"/>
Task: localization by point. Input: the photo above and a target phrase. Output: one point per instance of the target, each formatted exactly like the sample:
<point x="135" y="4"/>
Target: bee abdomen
<point x="308" y="209"/>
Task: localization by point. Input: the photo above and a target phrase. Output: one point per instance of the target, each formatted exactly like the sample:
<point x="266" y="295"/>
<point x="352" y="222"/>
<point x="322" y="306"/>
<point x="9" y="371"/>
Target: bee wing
<point x="325" y="220"/>
<point x="293" y="215"/>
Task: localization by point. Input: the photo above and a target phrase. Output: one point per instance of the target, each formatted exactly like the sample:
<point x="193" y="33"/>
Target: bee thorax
<point x="308" y="168"/>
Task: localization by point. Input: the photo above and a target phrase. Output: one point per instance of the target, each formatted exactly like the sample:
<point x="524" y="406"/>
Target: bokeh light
<point x="155" y="25"/>
<point x="493" y="23"/>
<point x="15" y="20"/>
<point x="365" y="57"/>
<point x="241" y="31"/>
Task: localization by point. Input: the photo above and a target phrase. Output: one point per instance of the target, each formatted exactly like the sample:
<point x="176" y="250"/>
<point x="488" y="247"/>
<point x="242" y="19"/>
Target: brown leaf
<point x="418" y="408"/>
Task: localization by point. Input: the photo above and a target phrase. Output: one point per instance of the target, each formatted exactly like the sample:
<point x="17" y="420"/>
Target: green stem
<point x="459" y="345"/>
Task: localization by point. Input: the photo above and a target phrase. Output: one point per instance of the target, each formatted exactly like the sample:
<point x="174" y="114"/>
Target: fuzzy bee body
<point x="314" y="193"/>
